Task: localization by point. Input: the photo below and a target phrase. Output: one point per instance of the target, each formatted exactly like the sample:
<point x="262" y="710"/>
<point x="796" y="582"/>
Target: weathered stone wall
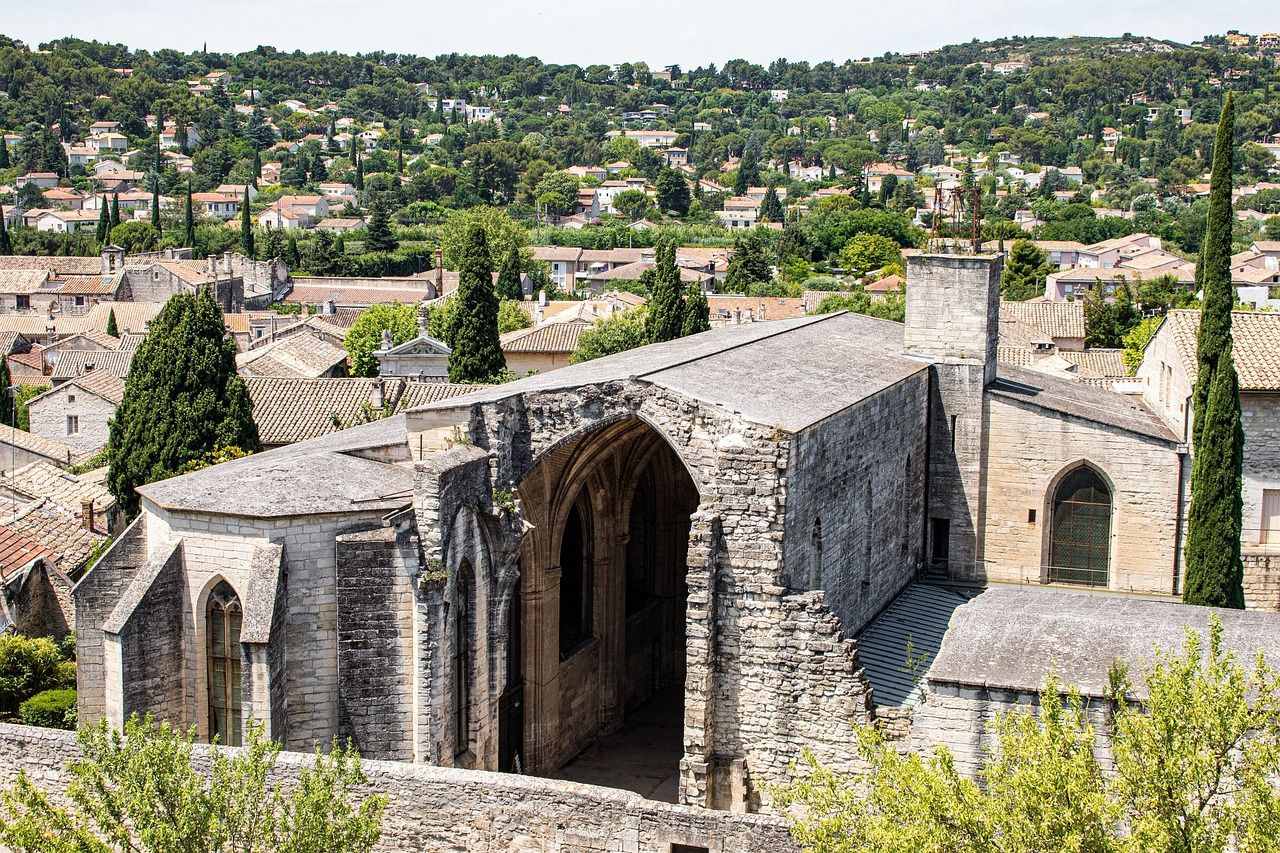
<point x="1029" y="449"/>
<point x="49" y="417"/>
<point x="452" y="811"/>
<point x="147" y="627"/>
<point x="375" y="644"/>
<point x="855" y="503"/>
<point x="97" y="594"/>
<point x="39" y="601"/>
<point x="1260" y="416"/>
<point x="1262" y="578"/>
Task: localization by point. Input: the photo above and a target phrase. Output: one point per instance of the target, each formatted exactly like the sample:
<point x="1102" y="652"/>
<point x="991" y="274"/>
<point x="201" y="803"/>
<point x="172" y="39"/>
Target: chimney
<point x="377" y="394"/>
<point x="86" y="512"/>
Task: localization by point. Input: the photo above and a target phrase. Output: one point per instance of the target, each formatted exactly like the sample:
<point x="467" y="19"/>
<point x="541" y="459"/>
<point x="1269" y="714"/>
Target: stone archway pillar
<point x="706" y="554"/>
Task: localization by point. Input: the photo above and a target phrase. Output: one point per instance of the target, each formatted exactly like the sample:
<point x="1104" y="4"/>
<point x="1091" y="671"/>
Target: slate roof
<point x="1054" y="319"/>
<point x="919" y="617"/>
<point x="285" y="481"/>
<point x="788" y="374"/>
<point x="553" y="337"/>
<point x="1256" y="347"/>
<point x="1079" y="400"/>
<point x="295" y="357"/>
<point x="1009" y="638"/>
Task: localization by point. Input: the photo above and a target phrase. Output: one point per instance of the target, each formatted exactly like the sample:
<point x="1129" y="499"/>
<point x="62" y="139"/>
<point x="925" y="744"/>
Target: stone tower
<point x="953" y="314"/>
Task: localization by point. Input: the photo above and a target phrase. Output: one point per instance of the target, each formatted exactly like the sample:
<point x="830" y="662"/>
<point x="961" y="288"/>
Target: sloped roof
<point x="46" y="480"/>
<point x="911" y="627"/>
<point x="22" y="281"/>
<point x="554" y="337"/>
<point x="11" y="341"/>
<point x="1079" y="400"/>
<point x="57" y="529"/>
<point x="1256" y="348"/>
<point x="295" y="357"/>
<point x="102" y="383"/>
<point x="417" y="394"/>
<point x="788" y="374"/>
<point x="1055" y="319"/>
<point x="17" y="551"/>
<point x="60" y="264"/>
<point x="63" y="454"/>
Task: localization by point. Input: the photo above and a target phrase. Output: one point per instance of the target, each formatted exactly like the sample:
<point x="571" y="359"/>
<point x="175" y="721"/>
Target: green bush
<point x="52" y="709"/>
<point x="27" y="666"/>
<point x="67" y="674"/>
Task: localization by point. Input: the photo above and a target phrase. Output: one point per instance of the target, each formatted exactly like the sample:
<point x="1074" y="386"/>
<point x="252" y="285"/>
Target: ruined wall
<point x="855" y="503"/>
<point x="452" y="811"/>
<point x="1029" y="449"/>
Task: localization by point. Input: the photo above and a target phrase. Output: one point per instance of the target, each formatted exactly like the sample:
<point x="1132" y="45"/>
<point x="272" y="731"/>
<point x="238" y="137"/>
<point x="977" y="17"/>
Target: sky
<point x="660" y="32"/>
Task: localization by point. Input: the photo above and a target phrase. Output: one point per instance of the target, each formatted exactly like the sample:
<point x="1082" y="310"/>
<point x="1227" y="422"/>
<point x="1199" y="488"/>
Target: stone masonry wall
<point x="1260" y="417"/>
<point x="452" y="811"/>
<point x="375" y="651"/>
<point x="855" y="503"/>
<point x="49" y="417"/>
<point x="1261" y="580"/>
<point x="1028" y="451"/>
<point x="151" y="646"/>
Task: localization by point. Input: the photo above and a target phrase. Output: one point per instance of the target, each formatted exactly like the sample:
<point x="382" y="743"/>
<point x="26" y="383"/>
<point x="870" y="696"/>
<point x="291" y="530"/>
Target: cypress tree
<point x="359" y="171"/>
<point x="477" y="354"/>
<point x="104" y="223"/>
<point x="246" y="227"/>
<point x="115" y="209"/>
<point x="291" y="256"/>
<point x="378" y="236"/>
<point x="257" y="167"/>
<point x="182" y="399"/>
<point x="189" y="221"/>
<point x="4" y="156"/>
<point x="112" y="329"/>
<point x="509" y="275"/>
<point x="155" y="204"/>
<point x="666" y="306"/>
<point x="1214" y="574"/>
<point x="6" y="248"/>
<point x="697" y="311"/>
<point x="8" y="402"/>
<point x="771" y="207"/>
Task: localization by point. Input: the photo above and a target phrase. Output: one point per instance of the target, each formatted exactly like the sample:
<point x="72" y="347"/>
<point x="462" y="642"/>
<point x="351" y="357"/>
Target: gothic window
<point x="1080" y="543"/>
<point x="222" y="623"/>
<point x="462" y="630"/>
<point x="576" y="587"/>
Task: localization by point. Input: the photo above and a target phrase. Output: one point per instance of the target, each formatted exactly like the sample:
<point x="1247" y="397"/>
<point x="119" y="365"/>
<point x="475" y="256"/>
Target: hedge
<point x="52" y="709"/>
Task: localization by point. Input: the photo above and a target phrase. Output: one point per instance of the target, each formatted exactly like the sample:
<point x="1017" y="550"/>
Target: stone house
<point x="705" y="528"/>
<point x="423" y="358"/>
<point x="78" y="411"/>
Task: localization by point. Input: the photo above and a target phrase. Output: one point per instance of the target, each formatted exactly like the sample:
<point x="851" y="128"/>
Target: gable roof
<point x="1256" y="346"/>
<point x="1054" y="319"/>
<point x="102" y="383"/>
<point x="553" y="337"/>
<point x="45" y="480"/>
<point x="54" y="451"/>
<point x="305" y="356"/>
<point x="16" y="551"/>
<point x="1079" y="400"/>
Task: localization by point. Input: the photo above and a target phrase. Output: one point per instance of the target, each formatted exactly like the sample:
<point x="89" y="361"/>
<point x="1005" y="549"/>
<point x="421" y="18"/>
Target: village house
<point x="78" y="411"/>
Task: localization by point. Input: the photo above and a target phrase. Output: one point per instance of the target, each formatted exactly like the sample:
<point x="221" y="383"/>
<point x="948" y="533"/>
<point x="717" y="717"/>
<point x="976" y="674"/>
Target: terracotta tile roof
<point x="421" y="393"/>
<point x="22" y="281"/>
<point x="303" y="356"/>
<point x="102" y="383"/>
<point x="52" y="450"/>
<point x="46" y="480"/>
<point x="1256" y="347"/>
<point x="73" y="363"/>
<point x="1054" y="319"/>
<point x="55" y="528"/>
<point x="547" y="338"/>
<point x="17" y="551"/>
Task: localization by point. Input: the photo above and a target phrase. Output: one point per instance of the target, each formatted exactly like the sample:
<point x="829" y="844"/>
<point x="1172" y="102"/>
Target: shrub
<point x="27" y="667"/>
<point x="52" y="709"/>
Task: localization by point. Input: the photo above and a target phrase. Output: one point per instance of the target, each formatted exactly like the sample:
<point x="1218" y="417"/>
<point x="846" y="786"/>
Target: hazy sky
<point x="659" y="32"/>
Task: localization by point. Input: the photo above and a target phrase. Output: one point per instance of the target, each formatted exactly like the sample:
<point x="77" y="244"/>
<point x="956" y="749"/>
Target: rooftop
<point x="1079" y="400"/>
<point x="1256" y="348"/>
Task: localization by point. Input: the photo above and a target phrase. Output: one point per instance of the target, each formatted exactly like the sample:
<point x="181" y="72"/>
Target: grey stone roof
<point x="1010" y="638"/>
<point x="919" y="616"/>
<point x="1079" y="400"/>
<point x="315" y="477"/>
<point x="784" y="373"/>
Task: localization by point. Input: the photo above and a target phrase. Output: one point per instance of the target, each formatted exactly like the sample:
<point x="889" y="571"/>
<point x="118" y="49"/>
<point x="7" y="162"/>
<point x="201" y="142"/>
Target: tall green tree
<point x="509" y="275"/>
<point x="476" y="355"/>
<point x="4" y="157"/>
<point x="6" y="248"/>
<point x="697" y="312"/>
<point x="142" y="789"/>
<point x="377" y="235"/>
<point x="748" y="265"/>
<point x="616" y="333"/>
<point x="673" y="192"/>
<point x="182" y="399"/>
<point x="155" y="203"/>
<point x="364" y="337"/>
<point x="1214" y="573"/>
<point x="257" y="167"/>
<point x="104" y="224"/>
<point x="8" y="403"/>
<point x="112" y="329"/>
<point x="359" y="167"/>
<point x="115" y="209"/>
<point x="189" y="221"/>
<point x="666" y="302"/>
<point x="771" y="207"/>
<point x="246" y="227"/>
<point x="1025" y="273"/>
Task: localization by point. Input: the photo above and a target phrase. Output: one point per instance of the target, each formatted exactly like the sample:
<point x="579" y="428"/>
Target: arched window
<point x="576" y="590"/>
<point x="222" y="624"/>
<point x="1080" y="539"/>
<point x="462" y="630"/>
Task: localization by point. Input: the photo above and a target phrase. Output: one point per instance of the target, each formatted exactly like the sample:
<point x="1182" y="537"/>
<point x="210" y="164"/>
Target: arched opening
<point x="1080" y="529"/>
<point x="223" y="616"/>
<point x="463" y="643"/>
<point x="603" y="590"/>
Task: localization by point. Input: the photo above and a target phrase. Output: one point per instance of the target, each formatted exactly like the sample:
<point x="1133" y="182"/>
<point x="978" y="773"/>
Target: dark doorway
<point x="940" y="538"/>
<point x="511" y="701"/>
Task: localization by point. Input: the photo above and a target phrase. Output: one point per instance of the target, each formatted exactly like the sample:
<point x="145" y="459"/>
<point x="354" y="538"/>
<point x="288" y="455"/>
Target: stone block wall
<point x="452" y="811"/>
<point x="39" y="601"/>
<point x="149" y="636"/>
<point x="49" y="417"/>
<point x="1261" y="578"/>
<point x="1260" y="417"/>
<point x="375" y="644"/>
<point x="1029" y="449"/>
<point x="855" y="503"/>
<point x="953" y="308"/>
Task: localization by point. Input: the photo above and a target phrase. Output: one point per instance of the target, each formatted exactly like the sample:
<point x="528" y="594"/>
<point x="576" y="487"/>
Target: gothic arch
<point x="1079" y="526"/>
